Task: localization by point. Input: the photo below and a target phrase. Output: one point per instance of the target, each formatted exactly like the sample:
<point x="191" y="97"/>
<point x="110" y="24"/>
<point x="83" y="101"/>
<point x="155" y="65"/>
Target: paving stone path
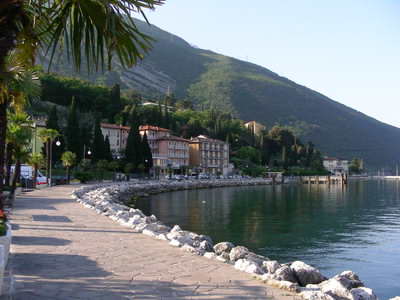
<point x="62" y="250"/>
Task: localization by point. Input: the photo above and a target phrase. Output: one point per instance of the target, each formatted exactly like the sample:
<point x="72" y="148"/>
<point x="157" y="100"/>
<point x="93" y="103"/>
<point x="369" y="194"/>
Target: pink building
<point x="169" y="152"/>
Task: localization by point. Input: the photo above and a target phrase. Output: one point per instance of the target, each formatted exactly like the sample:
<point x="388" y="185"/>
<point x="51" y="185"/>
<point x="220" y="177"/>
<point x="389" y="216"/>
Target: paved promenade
<point x="62" y="250"/>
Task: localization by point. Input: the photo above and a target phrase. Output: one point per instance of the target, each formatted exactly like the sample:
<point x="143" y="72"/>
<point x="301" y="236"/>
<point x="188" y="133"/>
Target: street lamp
<point x="84" y="151"/>
<point x="58" y="144"/>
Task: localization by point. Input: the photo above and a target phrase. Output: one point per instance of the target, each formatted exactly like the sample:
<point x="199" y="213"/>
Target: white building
<point x="117" y="135"/>
<point x="336" y="166"/>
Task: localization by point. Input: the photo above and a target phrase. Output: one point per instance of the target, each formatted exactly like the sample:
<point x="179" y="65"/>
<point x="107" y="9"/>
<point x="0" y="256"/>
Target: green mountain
<point x="252" y="92"/>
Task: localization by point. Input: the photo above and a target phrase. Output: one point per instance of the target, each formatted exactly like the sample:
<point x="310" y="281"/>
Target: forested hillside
<point x="251" y="92"/>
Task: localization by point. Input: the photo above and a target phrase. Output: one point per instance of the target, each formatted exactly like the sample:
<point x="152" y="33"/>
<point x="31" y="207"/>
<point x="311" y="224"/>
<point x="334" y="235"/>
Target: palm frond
<point x="97" y="30"/>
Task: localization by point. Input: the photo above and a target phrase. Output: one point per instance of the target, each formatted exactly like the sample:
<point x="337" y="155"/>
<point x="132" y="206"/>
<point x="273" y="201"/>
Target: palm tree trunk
<point x="68" y="175"/>
<point x="9" y="12"/>
<point x="35" y="174"/>
<point x="3" y="128"/>
<point x="47" y="162"/>
<point x="8" y="163"/>
<point x="16" y="176"/>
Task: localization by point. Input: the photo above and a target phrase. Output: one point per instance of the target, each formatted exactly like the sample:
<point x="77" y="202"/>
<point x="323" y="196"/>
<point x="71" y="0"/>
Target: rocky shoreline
<point x="297" y="277"/>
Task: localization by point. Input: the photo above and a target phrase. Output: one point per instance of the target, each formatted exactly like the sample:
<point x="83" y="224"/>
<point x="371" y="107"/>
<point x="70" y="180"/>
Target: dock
<point x="336" y="179"/>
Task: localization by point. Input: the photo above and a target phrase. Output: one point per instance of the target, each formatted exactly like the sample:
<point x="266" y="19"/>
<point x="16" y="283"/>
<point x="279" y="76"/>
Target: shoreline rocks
<point x="298" y="277"/>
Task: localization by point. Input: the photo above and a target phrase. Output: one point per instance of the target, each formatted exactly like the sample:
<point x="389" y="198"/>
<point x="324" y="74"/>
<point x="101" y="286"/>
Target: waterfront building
<point x="118" y="136"/>
<point x="209" y="155"/>
<point x="170" y="153"/>
<point x="255" y="127"/>
<point x="336" y="166"/>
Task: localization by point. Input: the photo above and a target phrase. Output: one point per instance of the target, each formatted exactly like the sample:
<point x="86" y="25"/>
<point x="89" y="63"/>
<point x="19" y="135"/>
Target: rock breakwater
<point x="297" y="277"/>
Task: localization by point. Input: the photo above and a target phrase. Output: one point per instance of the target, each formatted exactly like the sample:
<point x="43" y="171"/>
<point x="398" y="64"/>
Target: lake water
<point x="333" y="228"/>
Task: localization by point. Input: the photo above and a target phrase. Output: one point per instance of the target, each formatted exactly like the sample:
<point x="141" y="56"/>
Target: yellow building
<point x="209" y="155"/>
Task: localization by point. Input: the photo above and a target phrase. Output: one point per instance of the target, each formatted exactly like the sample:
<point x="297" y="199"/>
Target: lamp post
<point x="84" y="151"/>
<point x="58" y="144"/>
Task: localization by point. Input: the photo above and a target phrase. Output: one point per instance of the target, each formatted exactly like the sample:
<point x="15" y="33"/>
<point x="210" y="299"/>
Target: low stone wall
<point x="297" y="277"/>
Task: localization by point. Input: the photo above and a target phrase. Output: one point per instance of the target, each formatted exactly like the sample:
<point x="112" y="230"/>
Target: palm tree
<point x="47" y="136"/>
<point x="105" y="28"/>
<point x="36" y="160"/>
<point x="68" y="159"/>
<point x="19" y="135"/>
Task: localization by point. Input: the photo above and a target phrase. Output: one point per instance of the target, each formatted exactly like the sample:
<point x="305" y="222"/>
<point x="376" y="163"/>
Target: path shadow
<point x="56" y="266"/>
<point x="111" y="289"/>
<point x="39" y="241"/>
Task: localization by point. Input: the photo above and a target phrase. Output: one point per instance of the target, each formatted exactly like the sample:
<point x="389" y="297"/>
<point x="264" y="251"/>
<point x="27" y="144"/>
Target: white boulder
<point x="285" y="273"/>
<point x="223" y="247"/>
<point x="237" y="253"/>
<point x="248" y="266"/>
<point x="270" y="266"/>
<point x="362" y="293"/>
<point x="316" y="295"/>
<point x="306" y="274"/>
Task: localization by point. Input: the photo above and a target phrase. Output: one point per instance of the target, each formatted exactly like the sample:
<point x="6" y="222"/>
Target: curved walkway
<point x="61" y="250"/>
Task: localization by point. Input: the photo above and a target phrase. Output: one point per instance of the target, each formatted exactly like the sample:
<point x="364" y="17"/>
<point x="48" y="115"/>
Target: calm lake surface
<point x="333" y="228"/>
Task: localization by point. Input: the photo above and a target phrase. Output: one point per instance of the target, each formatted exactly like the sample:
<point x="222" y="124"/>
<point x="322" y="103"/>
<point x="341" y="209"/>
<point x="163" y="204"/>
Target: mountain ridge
<point x="251" y="92"/>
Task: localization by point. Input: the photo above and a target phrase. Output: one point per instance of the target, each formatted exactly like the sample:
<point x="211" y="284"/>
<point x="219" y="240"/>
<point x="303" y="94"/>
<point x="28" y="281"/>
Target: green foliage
<point x="83" y="176"/>
<point x="68" y="159"/>
<point x="72" y="131"/>
<point x="147" y="156"/>
<point x="99" y="151"/>
<point x="107" y="149"/>
<point x="129" y="168"/>
<point x="3" y="229"/>
<point x="249" y="153"/>
<point x="356" y="166"/>
<point x="134" y="148"/>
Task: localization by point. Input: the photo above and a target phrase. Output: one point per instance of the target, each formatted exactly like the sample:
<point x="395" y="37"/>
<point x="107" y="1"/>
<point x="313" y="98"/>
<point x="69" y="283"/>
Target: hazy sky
<point x="347" y="50"/>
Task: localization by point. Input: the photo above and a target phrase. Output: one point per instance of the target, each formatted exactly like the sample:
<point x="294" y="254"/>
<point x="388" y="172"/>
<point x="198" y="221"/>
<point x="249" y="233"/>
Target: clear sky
<point x="348" y="50"/>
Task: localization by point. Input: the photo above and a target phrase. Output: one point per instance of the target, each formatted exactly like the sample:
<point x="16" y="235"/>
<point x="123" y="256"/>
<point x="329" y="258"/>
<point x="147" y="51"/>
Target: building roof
<point x="152" y="128"/>
<point x="114" y="126"/>
<point x="173" y="138"/>
<point x="204" y="138"/>
<point x="334" y="159"/>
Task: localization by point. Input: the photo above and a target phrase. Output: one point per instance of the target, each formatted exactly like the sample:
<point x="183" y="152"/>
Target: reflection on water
<point x="331" y="227"/>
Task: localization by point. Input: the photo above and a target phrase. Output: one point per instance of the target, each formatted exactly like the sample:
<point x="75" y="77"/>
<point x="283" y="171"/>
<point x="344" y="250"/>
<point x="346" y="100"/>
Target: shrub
<point x="83" y="177"/>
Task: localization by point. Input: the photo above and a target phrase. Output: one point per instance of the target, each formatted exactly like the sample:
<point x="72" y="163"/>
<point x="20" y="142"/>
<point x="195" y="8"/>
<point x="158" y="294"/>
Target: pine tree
<point x="160" y="121"/>
<point x="107" y="147"/>
<point x="98" y="147"/>
<point x="134" y="149"/>
<point x="72" y="131"/>
<point x="147" y="156"/>
<point x="116" y="104"/>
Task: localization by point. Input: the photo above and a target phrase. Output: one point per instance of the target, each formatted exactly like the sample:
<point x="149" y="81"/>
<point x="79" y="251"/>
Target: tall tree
<point x="48" y="136"/>
<point x="36" y="160"/>
<point x="72" y="130"/>
<point x="147" y="156"/>
<point x="107" y="147"/>
<point x="68" y="159"/>
<point x="98" y="146"/>
<point x="134" y="150"/>
<point x="116" y="104"/>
